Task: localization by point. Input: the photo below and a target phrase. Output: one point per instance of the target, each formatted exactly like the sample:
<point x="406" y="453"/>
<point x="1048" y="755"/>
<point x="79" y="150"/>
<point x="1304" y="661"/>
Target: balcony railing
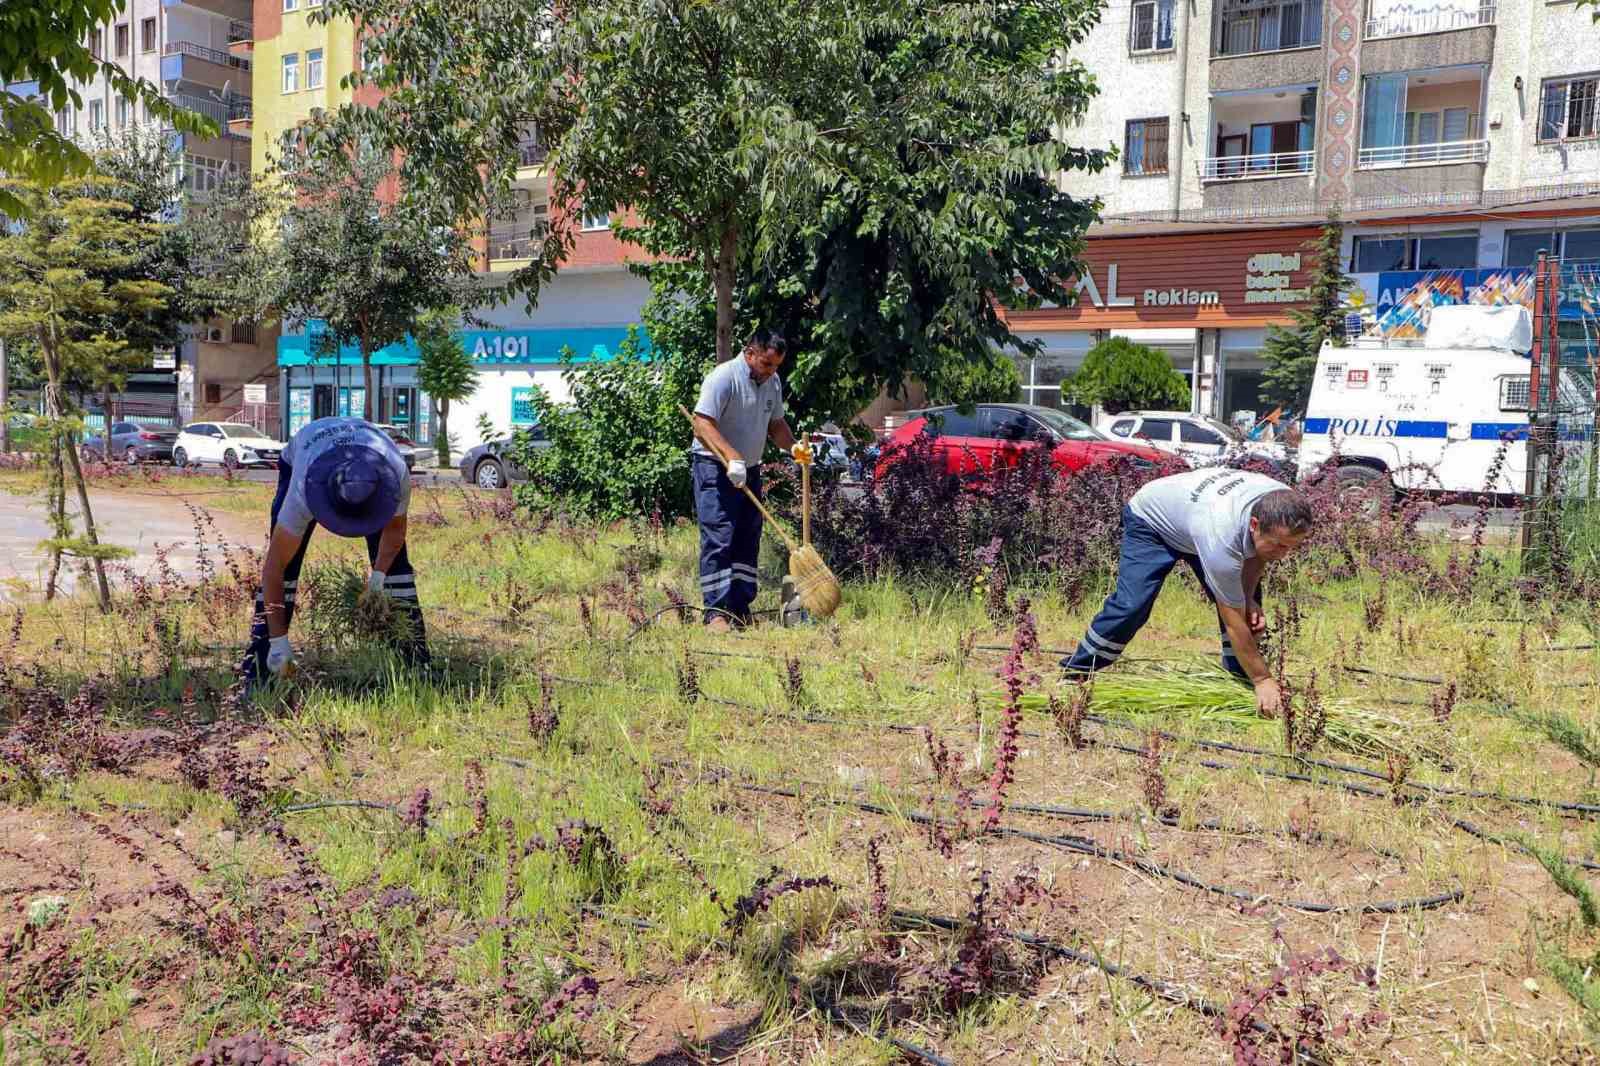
<point x="1422" y="155"/>
<point x="213" y="109"/>
<point x="513" y="244"/>
<point x="240" y="30"/>
<point x="1262" y="165"/>
<point x="240" y="110"/>
<point x="531" y="154"/>
<point x="1406" y="23"/>
<point x="210" y="55"/>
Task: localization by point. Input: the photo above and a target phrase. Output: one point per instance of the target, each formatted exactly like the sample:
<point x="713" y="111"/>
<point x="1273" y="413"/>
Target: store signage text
<point x="1171" y="297"/>
<point x="1266" y="279"/>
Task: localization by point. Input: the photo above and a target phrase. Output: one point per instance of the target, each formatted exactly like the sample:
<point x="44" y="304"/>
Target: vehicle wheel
<point x="490" y="475"/>
<point x="180" y="458"/>
<point x="131" y="456"/>
<point x="230" y="459"/>
<point x="1365" y="488"/>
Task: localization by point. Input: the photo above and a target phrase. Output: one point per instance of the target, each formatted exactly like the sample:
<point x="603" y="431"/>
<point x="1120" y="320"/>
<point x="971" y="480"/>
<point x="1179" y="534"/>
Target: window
<point x="949" y="422"/>
<point x="314" y="69"/>
<point x="213" y="395"/>
<point x="599" y="221"/>
<point x="1190" y="433"/>
<point x="201" y="174"/>
<point x="1523" y="246"/>
<point x="1144" y="148"/>
<point x="97" y="42"/>
<point x="1246" y="26"/>
<point x="1122" y="427"/>
<point x="1443" y="251"/>
<point x="291" y="72"/>
<point x="1515" y="392"/>
<point x="1151" y="26"/>
<point x="243" y="332"/>
<point x="147" y="35"/>
<point x="97" y="115"/>
<point x="1007" y="423"/>
<point x="122" y="113"/>
<point x="313" y="3"/>
<point x="291" y="5"/>
<point x="1567" y="109"/>
<point x="66" y="122"/>
<point x="1157" y="429"/>
<point x="122" y="39"/>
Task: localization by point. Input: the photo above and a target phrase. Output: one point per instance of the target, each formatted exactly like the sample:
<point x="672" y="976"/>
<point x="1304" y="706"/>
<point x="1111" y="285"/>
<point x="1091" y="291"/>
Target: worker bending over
<point x="347" y="476"/>
<point x="1227" y="525"/>
<point x="739" y="410"/>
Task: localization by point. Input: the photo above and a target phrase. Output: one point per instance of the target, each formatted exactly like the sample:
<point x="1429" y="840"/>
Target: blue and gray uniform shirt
<point x="311" y="441"/>
<point x="741" y="409"/>
<point x="1206" y="513"/>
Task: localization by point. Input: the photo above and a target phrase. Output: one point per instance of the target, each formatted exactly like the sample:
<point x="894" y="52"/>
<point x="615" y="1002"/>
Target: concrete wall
<point x="1392" y="54"/>
<point x="1292" y="67"/>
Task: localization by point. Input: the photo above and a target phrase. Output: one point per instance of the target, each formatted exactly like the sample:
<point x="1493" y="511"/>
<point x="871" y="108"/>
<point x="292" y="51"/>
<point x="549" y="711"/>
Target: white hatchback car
<point x="1200" y="440"/>
<point x="226" y="444"/>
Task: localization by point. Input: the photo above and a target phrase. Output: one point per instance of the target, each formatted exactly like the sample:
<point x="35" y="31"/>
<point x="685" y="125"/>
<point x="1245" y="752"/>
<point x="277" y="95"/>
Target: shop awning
<point x="489" y="347"/>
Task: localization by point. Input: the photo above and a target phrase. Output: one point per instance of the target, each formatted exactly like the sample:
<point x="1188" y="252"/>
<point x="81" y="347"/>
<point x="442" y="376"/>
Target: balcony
<point x="1268" y="133"/>
<point x="176" y="52"/>
<point x="1250" y="27"/>
<point x="513" y="244"/>
<point x="241" y="37"/>
<point x="1261" y="165"/>
<point x="1422" y="118"/>
<point x="1395" y="18"/>
<point x="531" y="153"/>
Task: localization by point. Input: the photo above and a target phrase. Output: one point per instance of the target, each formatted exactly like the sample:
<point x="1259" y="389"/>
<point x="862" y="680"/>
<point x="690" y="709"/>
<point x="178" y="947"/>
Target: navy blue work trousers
<point x="730" y="539"/>
<point x="400" y="585"/>
<point x="1142" y="569"/>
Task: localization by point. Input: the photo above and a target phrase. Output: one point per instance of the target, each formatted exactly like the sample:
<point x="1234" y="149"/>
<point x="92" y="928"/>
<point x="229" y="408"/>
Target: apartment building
<point x="1457" y="137"/>
<point x="191" y="49"/>
<point x="299" y="63"/>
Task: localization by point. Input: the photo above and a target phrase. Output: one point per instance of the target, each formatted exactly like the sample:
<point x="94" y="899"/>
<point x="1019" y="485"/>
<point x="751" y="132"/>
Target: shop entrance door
<point x="322" y="401"/>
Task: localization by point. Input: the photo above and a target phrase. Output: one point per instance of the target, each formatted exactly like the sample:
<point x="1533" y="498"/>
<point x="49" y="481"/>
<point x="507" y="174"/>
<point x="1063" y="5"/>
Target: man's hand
<point x="1257" y="619"/>
<point x="737" y="473"/>
<point x="374" y="587"/>
<point x="280" y="657"/>
<point x="1269" y="698"/>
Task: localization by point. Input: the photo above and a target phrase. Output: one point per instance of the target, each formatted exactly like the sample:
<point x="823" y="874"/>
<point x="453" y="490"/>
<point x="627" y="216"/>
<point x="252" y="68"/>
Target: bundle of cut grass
<point x="333" y="611"/>
<point x="1210" y="696"/>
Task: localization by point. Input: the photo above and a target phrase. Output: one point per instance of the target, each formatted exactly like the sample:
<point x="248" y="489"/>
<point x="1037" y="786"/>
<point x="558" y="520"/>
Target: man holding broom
<point x="1226" y="525"/>
<point x="739" y="410"/>
<point x="345" y="475"/>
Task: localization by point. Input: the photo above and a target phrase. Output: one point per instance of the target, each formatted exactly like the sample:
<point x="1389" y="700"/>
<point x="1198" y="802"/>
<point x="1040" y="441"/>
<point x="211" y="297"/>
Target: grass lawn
<point x="370" y="864"/>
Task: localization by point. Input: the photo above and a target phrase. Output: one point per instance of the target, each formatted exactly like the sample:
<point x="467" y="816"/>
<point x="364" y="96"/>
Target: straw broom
<point x="818" y="589"/>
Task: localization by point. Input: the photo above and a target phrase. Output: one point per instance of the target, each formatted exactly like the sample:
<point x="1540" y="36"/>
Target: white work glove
<point x="737" y="473"/>
<point x="375" y="581"/>
<point x="280" y="656"/>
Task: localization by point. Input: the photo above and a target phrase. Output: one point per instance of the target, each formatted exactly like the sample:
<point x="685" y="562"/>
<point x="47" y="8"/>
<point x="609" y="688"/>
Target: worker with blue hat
<point x="345" y="475"/>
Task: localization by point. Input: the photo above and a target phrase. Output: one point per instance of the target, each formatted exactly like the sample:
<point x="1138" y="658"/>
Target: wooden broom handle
<point x="784" y="533"/>
<point x="805" y="502"/>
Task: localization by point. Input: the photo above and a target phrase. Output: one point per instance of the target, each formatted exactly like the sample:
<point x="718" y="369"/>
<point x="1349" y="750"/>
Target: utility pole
<point x="5" y="401"/>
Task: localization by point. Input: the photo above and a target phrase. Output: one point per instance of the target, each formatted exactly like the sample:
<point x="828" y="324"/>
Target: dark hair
<point x="768" y="338"/>
<point x="1283" y="509"/>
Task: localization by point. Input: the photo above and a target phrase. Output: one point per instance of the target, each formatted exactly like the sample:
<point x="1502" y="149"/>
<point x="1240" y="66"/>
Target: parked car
<point x="132" y="442"/>
<point x="997" y="434"/>
<point x="410" y="450"/>
<point x="1201" y="441"/>
<point x="226" y="444"/>
<point x="489" y="466"/>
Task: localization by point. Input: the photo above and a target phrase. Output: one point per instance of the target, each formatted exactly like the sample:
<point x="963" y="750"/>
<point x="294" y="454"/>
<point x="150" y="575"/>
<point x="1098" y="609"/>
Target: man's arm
<point x="1253" y="568"/>
<point x="779" y="433"/>
<point x="706" y="427"/>
<point x="280" y="550"/>
<point x="1269" y="698"/>
<point x="390" y="541"/>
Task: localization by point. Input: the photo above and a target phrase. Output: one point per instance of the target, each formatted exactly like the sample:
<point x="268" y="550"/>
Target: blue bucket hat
<point x="353" y="489"/>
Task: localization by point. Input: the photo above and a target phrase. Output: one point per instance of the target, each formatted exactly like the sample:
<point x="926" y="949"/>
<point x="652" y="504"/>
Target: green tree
<point x="1291" y="352"/>
<point x="44" y="52"/>
<point x="620" y="447"/>
<point x="876" y="181"/>
<point x="55" y="259"/>
<point x="1119" y="375"/>
<point x="445" y="371"/>
<point x="331" y="243"/>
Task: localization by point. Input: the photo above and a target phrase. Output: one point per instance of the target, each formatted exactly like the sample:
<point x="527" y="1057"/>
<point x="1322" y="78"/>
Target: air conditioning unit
<point x="214" y="335"/>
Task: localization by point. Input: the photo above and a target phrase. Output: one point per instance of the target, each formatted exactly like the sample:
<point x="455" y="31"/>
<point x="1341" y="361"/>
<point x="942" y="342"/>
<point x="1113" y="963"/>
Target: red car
<point x="997" y="434"/>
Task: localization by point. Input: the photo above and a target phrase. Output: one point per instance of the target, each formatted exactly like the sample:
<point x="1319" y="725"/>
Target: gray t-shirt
<point x="741" y="409"/>
<point x="314" y="438"/>
<point x="1207" y="513"/>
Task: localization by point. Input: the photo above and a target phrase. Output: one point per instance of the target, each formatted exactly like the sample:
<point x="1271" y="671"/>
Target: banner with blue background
<point x="493" y="347"/>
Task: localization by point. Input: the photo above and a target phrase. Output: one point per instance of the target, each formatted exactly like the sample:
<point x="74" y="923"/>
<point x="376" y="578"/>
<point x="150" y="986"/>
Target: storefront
<point x="1205" y="299"/>
<point x="511" y="362"/>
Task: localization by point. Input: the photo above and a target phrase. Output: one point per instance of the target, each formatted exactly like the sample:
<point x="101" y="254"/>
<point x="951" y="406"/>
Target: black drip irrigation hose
<point x="1092" y="848"/>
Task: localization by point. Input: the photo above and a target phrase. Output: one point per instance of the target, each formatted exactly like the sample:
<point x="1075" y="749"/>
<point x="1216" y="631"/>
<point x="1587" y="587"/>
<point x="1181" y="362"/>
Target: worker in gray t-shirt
<point x="740" y="408"/>
<point x="1227" y="525"/>
<point x="347" y="476"/>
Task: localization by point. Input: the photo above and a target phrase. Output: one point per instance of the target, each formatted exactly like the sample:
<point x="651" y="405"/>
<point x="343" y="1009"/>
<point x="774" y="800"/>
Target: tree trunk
<point x="441" y="432"/>
<point x="5" y="400"/>
<point x="722" y="279"/>
<point x="64" y="443"/>
<point x="56" y="505"/>
<point x="366" y="378"/>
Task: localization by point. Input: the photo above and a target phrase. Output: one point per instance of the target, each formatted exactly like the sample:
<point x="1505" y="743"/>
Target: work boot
<point x="719" y="624"/>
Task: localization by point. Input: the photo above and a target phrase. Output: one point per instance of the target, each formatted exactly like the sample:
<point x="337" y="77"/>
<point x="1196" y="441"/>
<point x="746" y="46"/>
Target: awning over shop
<point x="492" y="347"/>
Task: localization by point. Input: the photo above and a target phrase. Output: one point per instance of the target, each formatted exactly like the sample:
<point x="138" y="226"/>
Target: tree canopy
<point x="881" y="175"/>
<point x="44" y="54"/>
<point x="445" y="370"/>
<point x="1120" y="375"/>
<point x="1291" y="352"/>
